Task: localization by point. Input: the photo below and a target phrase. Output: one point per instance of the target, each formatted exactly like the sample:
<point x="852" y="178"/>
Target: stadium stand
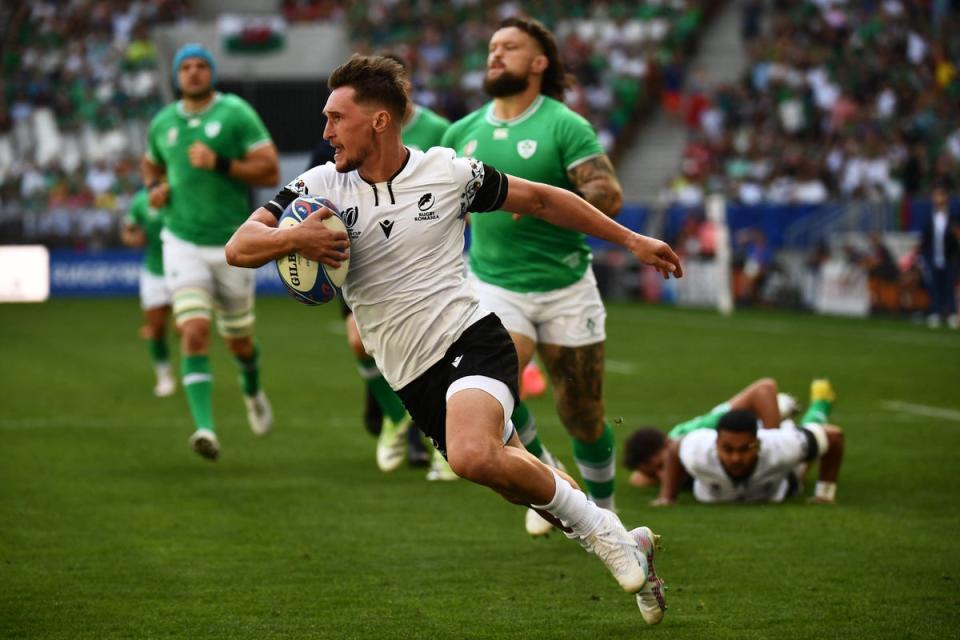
<point x="81" y="83"/>
<point x="79" y="86"/>
<point x="841" y="100"/>
<point x="615" y="49"/>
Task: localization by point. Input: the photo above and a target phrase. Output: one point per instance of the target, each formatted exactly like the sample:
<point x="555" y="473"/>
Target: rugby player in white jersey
<point x="740" y="462"/>
<point x="452" y="363"/>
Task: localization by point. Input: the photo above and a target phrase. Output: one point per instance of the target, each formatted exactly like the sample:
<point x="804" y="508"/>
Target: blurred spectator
<point x="80" y="83"/>
<point x="88" y="69"/>
<point x="883" y="276"/>
<point x="751" y="261"/>
<point x="940" y="249"/>
<point x="840" y="100"/>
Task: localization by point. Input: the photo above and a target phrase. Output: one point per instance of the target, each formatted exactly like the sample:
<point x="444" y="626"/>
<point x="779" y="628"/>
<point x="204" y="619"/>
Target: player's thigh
<point x="476" y="428"/>
<point x="233" y="297"/>
<point x="189" y="279"/>
<point x="485" y="361"/>
<point x="154" y="292"/>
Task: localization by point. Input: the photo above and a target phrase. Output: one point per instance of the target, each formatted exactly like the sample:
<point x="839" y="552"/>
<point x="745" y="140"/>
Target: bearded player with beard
<point x="534" y="275"/>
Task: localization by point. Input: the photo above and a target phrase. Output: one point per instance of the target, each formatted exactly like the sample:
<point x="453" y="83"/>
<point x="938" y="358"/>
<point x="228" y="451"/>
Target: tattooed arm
<point x="597" y="181"/>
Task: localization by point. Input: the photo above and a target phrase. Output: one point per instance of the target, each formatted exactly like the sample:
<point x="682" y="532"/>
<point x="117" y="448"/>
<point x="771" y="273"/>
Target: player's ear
<point x="381" y="120"/>
<point x="539" y="63"/>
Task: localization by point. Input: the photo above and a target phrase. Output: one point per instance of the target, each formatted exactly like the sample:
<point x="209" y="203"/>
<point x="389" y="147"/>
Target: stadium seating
<point x="80" y="85"/>
<point x="841" y="100"/>
<point x="84" y="84"/>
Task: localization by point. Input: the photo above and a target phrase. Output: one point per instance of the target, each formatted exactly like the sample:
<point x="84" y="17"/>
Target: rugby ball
<point x="307" y="281"/>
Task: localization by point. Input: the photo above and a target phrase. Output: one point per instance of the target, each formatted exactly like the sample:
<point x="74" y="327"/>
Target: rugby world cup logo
<point x="349" y="216"/>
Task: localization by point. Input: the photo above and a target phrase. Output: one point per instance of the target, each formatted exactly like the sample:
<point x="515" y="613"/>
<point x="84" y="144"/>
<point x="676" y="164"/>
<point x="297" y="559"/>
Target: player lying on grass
<point x="645" y="449"/>
<point x="737" y="460"/>
<point x="454" y="365"/>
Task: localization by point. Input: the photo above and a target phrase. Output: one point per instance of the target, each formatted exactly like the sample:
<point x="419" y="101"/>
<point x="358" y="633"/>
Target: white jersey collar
<point x="196" y="114"/>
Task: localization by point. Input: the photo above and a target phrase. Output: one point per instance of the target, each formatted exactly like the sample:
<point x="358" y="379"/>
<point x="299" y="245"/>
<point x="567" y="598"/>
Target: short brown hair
<point x="555" y="79"/>
<point x="374" y="79"/>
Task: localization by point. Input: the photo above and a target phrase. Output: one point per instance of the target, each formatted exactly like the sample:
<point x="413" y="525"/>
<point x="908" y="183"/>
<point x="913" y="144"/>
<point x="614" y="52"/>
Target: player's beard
<point x="506" y="84"/>
<point x="351" y="164"/>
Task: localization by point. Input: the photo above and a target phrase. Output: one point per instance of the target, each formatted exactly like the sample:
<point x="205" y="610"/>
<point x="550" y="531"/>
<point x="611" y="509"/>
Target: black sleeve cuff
<point x="492" y="192"/>
<point x="280" y="202"/>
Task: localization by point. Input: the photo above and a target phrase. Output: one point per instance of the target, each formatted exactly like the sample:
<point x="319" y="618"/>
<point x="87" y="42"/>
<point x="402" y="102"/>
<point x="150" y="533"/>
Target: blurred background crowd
<point x="849" y="107"/>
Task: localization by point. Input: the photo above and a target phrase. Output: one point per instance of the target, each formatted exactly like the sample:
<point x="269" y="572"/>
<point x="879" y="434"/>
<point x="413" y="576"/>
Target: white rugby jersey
<point x="406" y="284"/>
<point x="781" y="450"/>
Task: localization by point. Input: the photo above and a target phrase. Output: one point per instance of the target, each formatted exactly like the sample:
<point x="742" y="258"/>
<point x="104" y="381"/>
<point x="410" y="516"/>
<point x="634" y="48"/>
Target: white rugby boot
<point x="440" y="470"/>
<point x="650" y="598"/>
<point x="204" y="442"/>
<point x="787" y="405"/>
<point x="166" y="383"/>
<point x="259" y="413"/>
<point x="618" y="550"/>
<point x="392" y="443"/>
<point x="537" y="525"/>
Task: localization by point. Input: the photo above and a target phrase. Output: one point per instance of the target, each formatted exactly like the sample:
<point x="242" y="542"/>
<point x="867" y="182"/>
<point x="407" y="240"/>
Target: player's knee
<point x="767" y="384"/>
<point x="195" y="336"/>
<point x="236" y="325"/>
<point x="834" y="436"/>
<point x="474" y="461"/>
<point x="241" y="347"/>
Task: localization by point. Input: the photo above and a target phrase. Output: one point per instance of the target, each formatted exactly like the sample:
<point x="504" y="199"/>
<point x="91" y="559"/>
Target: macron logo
<point x="456" y="361"/>
<point x="386" y="226"/>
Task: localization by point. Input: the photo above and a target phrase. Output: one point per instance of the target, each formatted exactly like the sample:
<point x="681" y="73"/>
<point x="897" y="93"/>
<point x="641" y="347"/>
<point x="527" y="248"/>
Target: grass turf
<point x="110" y="527"/>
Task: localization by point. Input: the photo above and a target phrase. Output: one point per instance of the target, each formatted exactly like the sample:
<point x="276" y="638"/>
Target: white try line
<point x="619" y="366"/>
<point x="922" y="410"/>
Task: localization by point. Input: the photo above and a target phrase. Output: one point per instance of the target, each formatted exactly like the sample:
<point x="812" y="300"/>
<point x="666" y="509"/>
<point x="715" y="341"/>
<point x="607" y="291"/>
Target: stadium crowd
<point x="840" y="100"/>
<point x="79" y="87"/>
<point x="80" y="84"/>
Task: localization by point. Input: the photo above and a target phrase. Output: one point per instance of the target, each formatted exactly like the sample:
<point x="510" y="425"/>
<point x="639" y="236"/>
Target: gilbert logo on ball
<point x="307" y="281"/>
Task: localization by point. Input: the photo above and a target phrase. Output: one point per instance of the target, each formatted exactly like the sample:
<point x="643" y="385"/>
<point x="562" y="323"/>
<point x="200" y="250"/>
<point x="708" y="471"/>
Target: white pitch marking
<point x="923" y="410"/>
<point x="619" y="366"/>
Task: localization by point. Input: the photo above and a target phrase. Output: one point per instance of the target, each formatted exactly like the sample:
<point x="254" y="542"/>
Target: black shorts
<point x="345" y="309"/>
<point x="485" y="349"/>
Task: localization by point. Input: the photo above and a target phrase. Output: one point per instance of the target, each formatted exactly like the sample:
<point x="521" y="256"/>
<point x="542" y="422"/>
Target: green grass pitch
<point x="110" y="527"/>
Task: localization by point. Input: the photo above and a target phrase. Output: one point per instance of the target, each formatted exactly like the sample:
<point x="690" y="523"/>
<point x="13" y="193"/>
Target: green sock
<point x="198" y="385"/>
<point x="818" y="412"/>
<point x="250" y="372"/>
<point x="527" y="429"/>
<point x="158" y="350"/>
<point x="390" y="403"/>
<point x="597" y="464"/>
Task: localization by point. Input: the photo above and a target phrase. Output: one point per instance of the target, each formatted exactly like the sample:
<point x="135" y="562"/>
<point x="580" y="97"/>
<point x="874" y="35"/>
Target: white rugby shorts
<point x="153" y="291"/>
<point x="573" y="316"/>
<point x="187" y="265"/>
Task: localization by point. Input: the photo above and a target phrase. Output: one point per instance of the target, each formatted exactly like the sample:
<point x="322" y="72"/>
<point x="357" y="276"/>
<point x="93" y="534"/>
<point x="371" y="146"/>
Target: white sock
<point x="607" y="503"/>
<point x="163" y="369"/>
<point x="571" y="507"/>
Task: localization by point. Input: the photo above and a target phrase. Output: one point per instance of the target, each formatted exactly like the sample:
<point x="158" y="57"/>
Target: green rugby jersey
<point x="706" y="421"/>
<point x="541" y="144"/>
<point x="425" y="129"/>
<point x="151" y="221"/>
<point x="205" y="206"/>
